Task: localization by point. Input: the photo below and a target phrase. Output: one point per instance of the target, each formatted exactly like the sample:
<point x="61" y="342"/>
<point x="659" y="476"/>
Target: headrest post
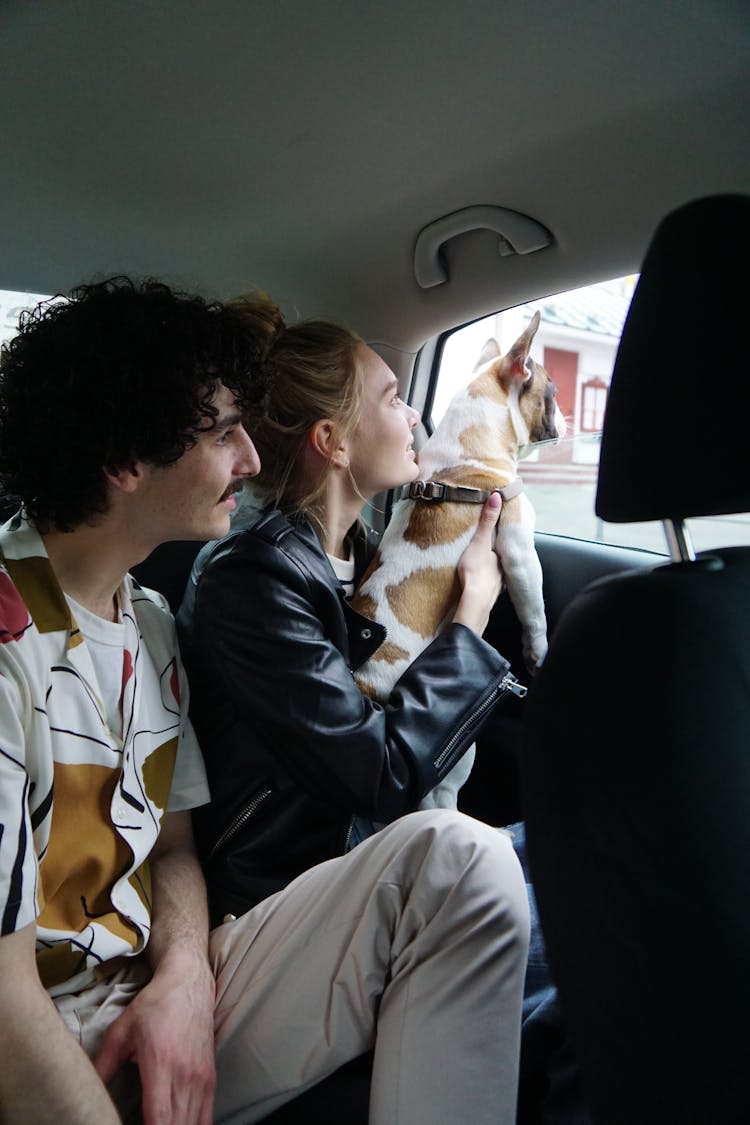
<point x="679" y="541"/>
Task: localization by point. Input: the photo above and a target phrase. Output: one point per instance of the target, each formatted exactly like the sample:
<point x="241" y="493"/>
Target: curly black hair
<point x="123" y="371"/>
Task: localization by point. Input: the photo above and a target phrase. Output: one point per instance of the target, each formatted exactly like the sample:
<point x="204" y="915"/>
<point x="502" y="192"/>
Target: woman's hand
<point x="479" y="571"/>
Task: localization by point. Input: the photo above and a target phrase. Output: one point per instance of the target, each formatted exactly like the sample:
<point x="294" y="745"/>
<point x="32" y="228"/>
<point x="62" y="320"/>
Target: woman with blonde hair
<point x="303" y="767"/>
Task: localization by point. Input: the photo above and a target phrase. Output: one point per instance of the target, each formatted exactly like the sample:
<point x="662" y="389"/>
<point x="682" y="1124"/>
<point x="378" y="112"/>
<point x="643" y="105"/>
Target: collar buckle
<point x="425" y="490"/>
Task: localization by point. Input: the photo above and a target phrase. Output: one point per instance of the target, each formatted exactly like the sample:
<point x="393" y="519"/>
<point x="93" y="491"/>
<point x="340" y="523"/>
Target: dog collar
<point x="434" y="491"/>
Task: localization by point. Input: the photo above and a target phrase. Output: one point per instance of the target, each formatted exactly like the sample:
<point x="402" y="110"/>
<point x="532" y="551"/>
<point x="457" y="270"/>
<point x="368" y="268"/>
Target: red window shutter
<point x="593" y="401"/>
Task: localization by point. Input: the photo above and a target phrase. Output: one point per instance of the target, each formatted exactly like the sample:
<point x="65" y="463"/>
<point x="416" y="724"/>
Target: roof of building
<point x="600" y="309"/>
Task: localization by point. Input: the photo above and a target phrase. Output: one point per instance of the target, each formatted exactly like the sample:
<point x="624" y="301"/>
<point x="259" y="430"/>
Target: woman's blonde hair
<point x="315" y="371"/>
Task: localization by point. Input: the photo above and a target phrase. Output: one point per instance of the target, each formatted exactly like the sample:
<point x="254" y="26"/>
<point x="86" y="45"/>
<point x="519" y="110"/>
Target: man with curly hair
<point x="121" y="427"/>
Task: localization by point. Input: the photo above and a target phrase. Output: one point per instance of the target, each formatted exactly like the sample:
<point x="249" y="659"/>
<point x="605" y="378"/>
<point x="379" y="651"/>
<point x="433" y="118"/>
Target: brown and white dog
<point x="411" y="586"/>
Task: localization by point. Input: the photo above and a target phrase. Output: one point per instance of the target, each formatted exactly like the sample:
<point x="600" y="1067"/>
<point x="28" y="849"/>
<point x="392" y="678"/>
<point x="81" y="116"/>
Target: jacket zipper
<point x="508" y="684"/>
<point x="240" y="820"/>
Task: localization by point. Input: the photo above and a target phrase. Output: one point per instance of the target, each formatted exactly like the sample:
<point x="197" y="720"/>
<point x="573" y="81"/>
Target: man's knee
<point x="457" y="838"/>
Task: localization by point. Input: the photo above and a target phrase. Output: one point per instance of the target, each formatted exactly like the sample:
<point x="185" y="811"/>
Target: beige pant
<point x="414" y="943"/>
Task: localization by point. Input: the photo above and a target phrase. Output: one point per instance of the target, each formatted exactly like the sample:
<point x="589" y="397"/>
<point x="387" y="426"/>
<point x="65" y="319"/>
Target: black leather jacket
<point x="293" y="749"/>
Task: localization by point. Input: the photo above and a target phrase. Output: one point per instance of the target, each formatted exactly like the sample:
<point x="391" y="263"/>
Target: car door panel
<point x="568" y="565"/>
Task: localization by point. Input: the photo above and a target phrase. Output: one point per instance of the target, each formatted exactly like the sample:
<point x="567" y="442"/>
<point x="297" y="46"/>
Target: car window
<point x="12" y="304"/>
<point x="576" y="342"/>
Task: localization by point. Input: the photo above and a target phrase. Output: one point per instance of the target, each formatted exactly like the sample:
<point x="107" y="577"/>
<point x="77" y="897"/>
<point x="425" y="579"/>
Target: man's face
<point x="193" y="499"/>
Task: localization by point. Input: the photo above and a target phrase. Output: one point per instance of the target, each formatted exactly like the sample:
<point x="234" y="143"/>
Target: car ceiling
<point x="302" y="146"/>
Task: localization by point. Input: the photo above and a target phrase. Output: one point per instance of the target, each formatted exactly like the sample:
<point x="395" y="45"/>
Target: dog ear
<point x="515" y="361"/>
<point x="491" y="350"/>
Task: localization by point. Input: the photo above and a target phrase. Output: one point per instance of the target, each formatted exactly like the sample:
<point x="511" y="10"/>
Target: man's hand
<point x="168" y="1028"/>
<point x="168" y="1032"/>
<point x="479" y="571"/>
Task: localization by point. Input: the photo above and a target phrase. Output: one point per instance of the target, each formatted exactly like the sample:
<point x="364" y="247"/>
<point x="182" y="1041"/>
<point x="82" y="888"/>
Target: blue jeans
<point x="549" y="1090"/>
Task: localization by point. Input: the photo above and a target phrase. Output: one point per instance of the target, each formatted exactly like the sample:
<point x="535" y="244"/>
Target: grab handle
<point x="518" y="235"/>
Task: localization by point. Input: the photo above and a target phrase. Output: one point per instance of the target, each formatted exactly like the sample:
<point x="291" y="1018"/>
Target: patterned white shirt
<point x="81" y="804"/>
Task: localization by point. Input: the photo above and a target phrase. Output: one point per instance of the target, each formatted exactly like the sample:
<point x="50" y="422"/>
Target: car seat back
<point x="636" y="755"/>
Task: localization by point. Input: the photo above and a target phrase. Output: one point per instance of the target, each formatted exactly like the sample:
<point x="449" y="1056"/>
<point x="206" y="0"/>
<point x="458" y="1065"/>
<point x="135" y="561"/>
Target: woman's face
<point x="381" y="453"/>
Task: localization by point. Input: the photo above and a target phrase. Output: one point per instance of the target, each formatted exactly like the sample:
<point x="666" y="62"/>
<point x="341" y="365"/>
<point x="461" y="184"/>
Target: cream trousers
<point x="414" y="943"/>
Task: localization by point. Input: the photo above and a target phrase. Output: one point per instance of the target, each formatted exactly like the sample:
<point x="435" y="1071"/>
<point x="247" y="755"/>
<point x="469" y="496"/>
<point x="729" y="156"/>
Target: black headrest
<point x="676" y="440"/>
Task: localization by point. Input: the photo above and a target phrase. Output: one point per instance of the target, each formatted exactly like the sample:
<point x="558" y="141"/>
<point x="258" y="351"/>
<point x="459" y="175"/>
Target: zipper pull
<point x="511" y="684"/>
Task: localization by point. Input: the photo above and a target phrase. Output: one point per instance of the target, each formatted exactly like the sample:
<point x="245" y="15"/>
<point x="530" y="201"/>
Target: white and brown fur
<point x="412" y="586"/>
